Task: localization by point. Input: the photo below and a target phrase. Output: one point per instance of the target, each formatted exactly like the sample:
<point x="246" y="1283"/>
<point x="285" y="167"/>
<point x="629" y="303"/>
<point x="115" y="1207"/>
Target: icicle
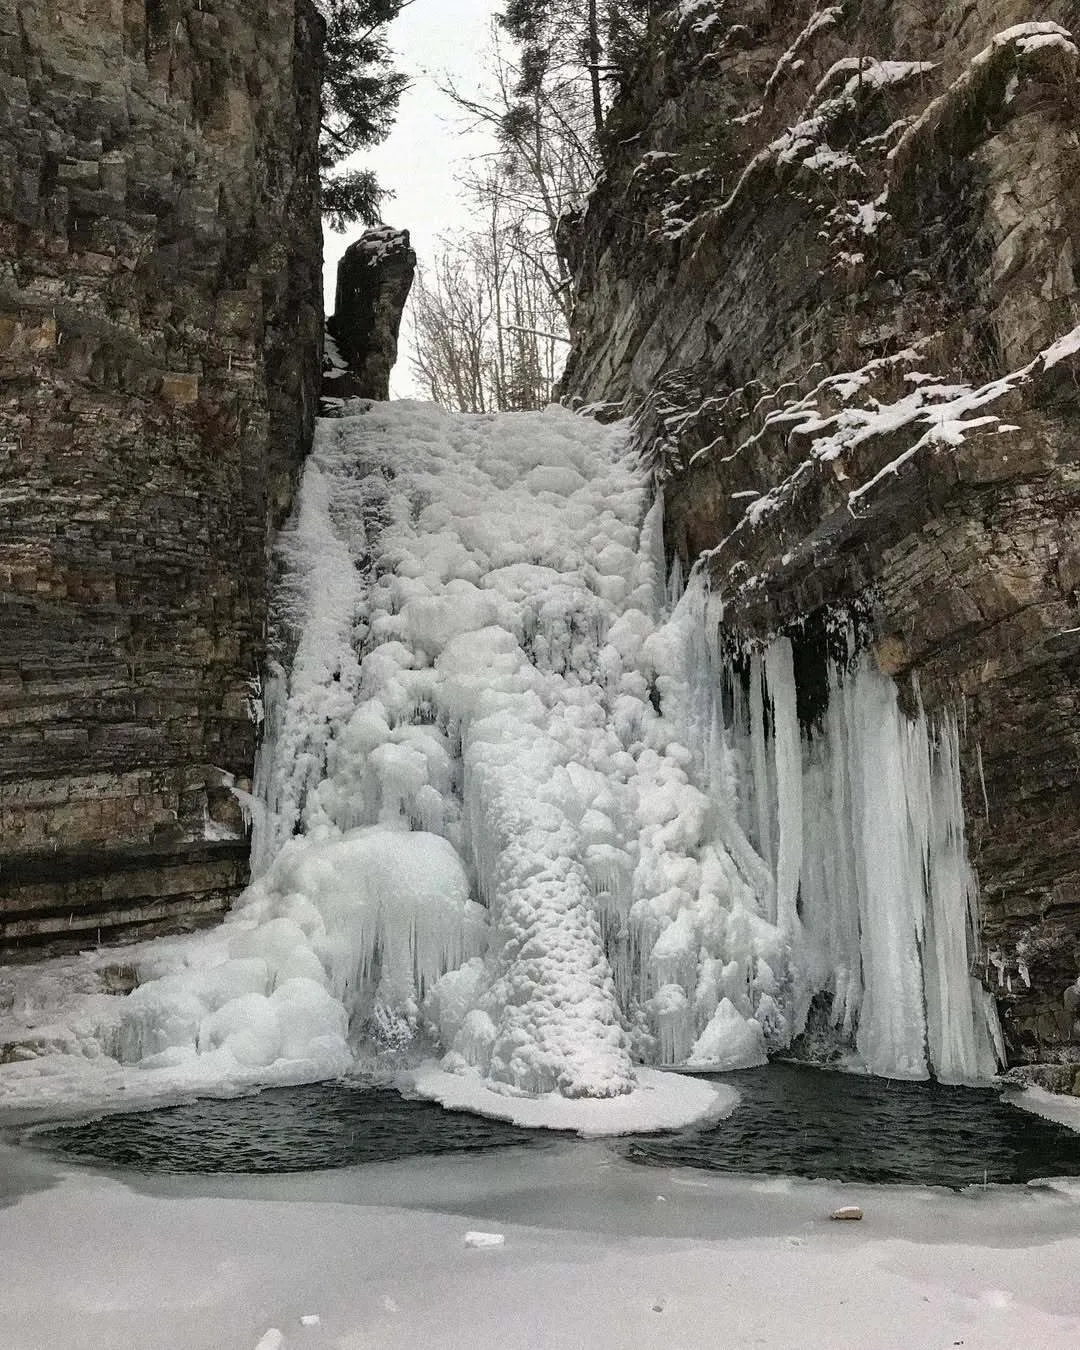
<point x="759" y="761"/>
<point x="780" y="677"/>
<point x="652" y="538"/>
<point x="961" y="1043"/>
<point x="676" y="584"/>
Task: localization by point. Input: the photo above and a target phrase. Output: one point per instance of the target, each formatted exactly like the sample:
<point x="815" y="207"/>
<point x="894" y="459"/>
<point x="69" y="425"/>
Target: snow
<point x="942" y="414"/>
<point x="820" y="19"/>
<point x="1065" y="346"/>
<point x="1025" y="38"/>
<point x="592" y="1256"/>
<point x="1065" y="1110"/>
<point x="658" y="1101"/>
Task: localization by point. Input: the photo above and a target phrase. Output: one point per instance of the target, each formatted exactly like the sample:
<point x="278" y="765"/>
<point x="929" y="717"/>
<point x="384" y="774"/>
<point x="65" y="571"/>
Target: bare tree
<point x="491" y="313"/>
<point x="488" y="327"/>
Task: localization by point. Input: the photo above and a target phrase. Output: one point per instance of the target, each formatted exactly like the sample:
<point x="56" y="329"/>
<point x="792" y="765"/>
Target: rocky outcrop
<point x="374" y="278"/>
<point x="160" y="341"/>
<point x="832" y="269"/>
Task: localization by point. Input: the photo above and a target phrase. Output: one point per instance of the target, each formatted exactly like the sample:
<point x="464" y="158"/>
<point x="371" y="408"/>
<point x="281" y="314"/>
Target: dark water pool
<point x="793" y="1121"/>
<point x="293" y="1129"/>
<point x="799" y="1121"/>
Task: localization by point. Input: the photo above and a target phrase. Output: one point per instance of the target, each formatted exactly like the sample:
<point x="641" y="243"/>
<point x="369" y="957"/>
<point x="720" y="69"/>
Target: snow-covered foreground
<point x="596" y="1252"/>
<point x="518" y="806"/>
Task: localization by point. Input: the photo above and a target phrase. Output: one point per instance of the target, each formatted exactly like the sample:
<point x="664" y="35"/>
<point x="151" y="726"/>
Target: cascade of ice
<point x="485" y="582"/>
<point x="518" y="801"/>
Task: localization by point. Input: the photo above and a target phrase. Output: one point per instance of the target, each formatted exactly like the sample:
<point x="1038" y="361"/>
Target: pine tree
<point x="584" y="41"/>
<point x="361" y="92"/>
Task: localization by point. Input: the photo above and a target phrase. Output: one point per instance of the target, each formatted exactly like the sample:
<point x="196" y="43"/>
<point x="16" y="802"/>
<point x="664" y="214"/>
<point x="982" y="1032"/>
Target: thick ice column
<point x="892" y="1024"/>
<point x="553" y="1020"/>
<point x="780" y="674"/>
<point x="961" y="1045"/>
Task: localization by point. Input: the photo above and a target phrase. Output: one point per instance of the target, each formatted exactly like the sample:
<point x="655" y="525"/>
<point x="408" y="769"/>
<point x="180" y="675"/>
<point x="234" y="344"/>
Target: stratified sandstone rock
<point x="160" y="253"/>
<point x="373" y="281"/>
<point x="828" y="266"/>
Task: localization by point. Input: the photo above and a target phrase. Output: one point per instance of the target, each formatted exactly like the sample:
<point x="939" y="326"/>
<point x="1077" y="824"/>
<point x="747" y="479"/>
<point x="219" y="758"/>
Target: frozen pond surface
<point x="596" y="1252"/>
<point x="293" y="1129"/>
<point x="793" y="1121"/>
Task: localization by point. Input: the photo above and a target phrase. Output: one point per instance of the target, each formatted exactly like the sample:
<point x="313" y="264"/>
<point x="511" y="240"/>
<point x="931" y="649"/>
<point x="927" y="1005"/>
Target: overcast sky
<point x="434" y="39"/>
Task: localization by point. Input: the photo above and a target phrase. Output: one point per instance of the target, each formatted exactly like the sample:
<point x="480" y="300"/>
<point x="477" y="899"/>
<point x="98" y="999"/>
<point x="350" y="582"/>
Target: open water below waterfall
<point x="793" y="1120"/>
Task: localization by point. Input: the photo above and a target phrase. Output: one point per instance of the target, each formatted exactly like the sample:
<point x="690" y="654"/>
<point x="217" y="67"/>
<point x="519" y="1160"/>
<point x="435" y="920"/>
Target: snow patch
<point x="659" y="1101"/>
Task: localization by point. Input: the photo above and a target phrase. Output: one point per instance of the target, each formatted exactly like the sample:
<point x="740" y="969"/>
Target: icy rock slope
<point x="517" y="804"/>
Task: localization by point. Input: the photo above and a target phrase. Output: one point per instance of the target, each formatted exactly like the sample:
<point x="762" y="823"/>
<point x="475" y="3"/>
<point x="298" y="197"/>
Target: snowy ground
<point x="597" y="1252"/>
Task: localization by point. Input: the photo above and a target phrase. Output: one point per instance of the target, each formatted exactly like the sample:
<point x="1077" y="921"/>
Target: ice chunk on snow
<point x="477" y="1239"/>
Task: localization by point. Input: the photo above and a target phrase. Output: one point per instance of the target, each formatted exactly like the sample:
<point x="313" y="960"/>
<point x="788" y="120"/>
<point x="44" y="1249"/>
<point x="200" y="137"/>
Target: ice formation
<point x="520" y="804"/>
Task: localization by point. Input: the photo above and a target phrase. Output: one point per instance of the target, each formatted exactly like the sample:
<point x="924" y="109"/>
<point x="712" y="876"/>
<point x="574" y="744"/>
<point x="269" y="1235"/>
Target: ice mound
<point x="658" y="1101"/>
<point x="729" y="1041"/>
<point x="349" y="929"/>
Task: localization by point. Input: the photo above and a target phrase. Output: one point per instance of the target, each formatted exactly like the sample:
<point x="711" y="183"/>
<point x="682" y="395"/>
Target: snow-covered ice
<point x="590" y="1258"/>
<point x="658" y="1101"/>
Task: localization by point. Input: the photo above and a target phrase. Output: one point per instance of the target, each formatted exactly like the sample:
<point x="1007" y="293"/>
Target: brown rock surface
<point x="160" y="254"/>
<point x="830" y="245"/>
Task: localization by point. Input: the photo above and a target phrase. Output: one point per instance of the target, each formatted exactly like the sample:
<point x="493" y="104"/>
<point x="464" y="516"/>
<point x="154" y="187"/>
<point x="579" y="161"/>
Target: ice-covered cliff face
<point x="830" y="267"/>
<point x="522" y="804"/>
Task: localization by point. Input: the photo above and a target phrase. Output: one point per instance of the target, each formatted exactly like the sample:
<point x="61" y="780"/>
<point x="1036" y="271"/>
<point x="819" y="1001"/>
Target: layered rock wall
<point x="832" y="267"/>
<point x="160" y="343"/>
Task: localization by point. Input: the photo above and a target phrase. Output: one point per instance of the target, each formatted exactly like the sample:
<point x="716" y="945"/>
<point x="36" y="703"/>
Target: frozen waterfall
<point x="511" y="809"/>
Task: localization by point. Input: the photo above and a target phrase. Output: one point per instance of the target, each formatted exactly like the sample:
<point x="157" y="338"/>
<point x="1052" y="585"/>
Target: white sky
<point x="434" y="39"/>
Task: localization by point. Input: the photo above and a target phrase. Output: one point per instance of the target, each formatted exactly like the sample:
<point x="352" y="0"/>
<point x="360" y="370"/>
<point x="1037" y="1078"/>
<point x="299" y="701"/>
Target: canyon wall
<point x="832" y="268"/>
<point x="160" y="347"/>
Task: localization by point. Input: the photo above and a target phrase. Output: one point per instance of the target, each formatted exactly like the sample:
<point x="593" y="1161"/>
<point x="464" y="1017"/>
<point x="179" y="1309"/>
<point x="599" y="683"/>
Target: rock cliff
<point x="160" y="344"/>
<point x="832" y="269"/>
<point x="374" y="278"/>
